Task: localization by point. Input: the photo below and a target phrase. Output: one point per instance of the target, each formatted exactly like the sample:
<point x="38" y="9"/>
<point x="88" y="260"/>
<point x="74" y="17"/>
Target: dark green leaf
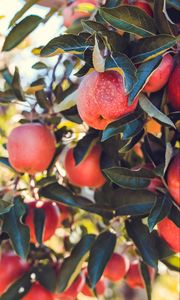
<point x="39" y="66"/>
<point x="6" y="96"/>
<point x="39" y="221"/>
<point x="174" y="216"/>
<point x="46" y="275"/>
<point x="92" y="26"/>
<point x="143" y="240"/>
<point x="16" y="85"/>
<point x="6" y="203"/>
<point x="131" y="142"/>
<point x="161" y="246"/>
<point x="20" y="31"/>
<point x="174" y="3"/>
<point x="42" y="99"/>
<point x="147" y="279"/>
<point x="72" y="265"/>
<point x="99" y="256"/>
<point x="160" y="18"/>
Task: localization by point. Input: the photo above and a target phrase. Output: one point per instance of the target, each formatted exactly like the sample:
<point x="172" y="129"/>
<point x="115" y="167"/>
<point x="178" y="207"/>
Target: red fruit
<point x="160" y="76"/>
<point x="64" y="213"/>
<point x="134" y="277"/>
<point x="173" y="178"/>
<point x="174" y="88"/>
<point x="100" y="289"/>
<point x="102" y="99"/>
<point x="51" y="219"/>
<point x="86" y="173"/>
<point x="38" y="292"/>
<point x="72" y="292"/>
<point x="117" y="267"/>
<point x="170" y="233"/>
<point x="75" y="11"/>
<point x="31" y="148"/>
<point x="141" y="4"/>
<point x="11" y="268"/>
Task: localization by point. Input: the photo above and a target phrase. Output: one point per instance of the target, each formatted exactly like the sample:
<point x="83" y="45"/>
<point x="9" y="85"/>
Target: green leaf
<point x="39" y="66"/>
<point x="143" y="240"/>
<point x="73" y="44"/>
<point x="69" y="102"/>
<point x="93" y="27"/>
<point x="99" y="256"/>
<point x="153" y="111"/>
<point x="120" y="63"/>
<point x="72" y="265"/>
<point x="46" y="275"/>
<point x="147" y="279"/>
<point x="6" y="202"/>
<point x="161" y="246"/>
<point x="21" y="31"/>
<point x="174" y="3"/>
<point x="160" y="210"/>
<point x="129" y="178"/>
<point x="130" y="19"/>
<point x="129" y="144"/>
<point x="42" y="99"/>
<point x="143" y="73"/>
<point x="5" y="162"/>
<point x="22" y="11"/>
<point x="151" y="47"/>
<point x="172" y="262"/>
<point x="160" y="18"/>
<point x="17" y="231"/>
<point x="39" y="222"/>
<point x="6" y="96"/>
<point x="174" y="216"/>
<point x="16" y="85"/>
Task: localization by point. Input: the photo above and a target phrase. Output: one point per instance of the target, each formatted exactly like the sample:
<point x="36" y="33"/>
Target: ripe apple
<point x="31" y="148"/>
<point x="102" y="99"/>
<point x="173" y="178"/>
<point x="100" y="287"/>
<point x="38" y="292"/>
<point x="134" y="277"/>
<point x="174" y="88"/>
<point x="117" y="267"/>
<point x="170" y="233"/>
<point x="78" y="10"/>
<point x="11" y="268"/>
<point x="52" y="213"/>
<point x="141" y="4"/>
<point x="88" y="171"/>
<point x="52" y="3"/>
<point x="72" y="292"/>
<point x="160" y="76"/>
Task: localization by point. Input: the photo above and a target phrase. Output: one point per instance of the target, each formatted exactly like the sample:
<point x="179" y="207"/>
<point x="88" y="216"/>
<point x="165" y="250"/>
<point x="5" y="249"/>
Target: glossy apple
<point x="31" y="148"/>
<point x="86" y="173"/>
<point x="160" y="76"/>
<point x="173" y="178"/>
<point x="134" y="277"/>
<point x="52" y="214"/>
<point x="38" y="292"/>
<point x="117" y="267"/>
<point x="141" y="4"/>
<point x="174" y="88"/>
<point x="102" y="99"/>
<point x="170" y="233"/>
<point x="11" y="268"/>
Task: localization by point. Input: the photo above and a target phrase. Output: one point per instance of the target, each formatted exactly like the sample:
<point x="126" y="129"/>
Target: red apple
<point x="134" y="277"/>
<point x="52" y="213"/>
<point x="160" y="76"/>
<point x="141" y="4"/>
<point x="38" y="292"/>
<point x="88" y="171"/>
<point x="11" y="268"/>
<point x="64" y="213"/>
<point x="174" y="88"/>
<point x="117" y="267"/>
<point x="170" y="233"/>
<point x="173" y="178"/>
<point x="31" y="148"/>
<point x="102" y="99"/>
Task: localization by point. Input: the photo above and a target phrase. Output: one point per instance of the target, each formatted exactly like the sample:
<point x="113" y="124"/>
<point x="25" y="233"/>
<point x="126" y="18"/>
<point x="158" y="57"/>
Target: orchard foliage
<point x="120" y="65"/>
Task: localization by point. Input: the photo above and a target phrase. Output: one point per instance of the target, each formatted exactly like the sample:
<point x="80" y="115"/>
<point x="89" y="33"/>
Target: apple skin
<point x="31" y="148"/>
<point x="11" y="268"/>
<point x="173" y="178"/>
<point x="51" y="3"/>
<point x="160" y="76"/>
<point x="52" y="214"/>
<point x="134" y="278"/>
<point x="71" y="13"/>
<point x="87" y="172"/>
<point x="141" y="4"/>
<point x="117" y="267"/>
<point x="36" y="292"/>
<point x="170" y="233"/>
<point x="102" y="99"/>
<point x="174" y="88"/>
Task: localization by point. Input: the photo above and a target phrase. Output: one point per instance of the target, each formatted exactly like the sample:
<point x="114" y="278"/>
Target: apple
<point x="160" y="76"/>
<point x="134" y="278"/>
<point x="141" y="4"/>
<point x="78" y="9"/>
<point x="102" y="99"/>
<point x="64" y="213"/>
<point x="11" y="268"/>
<point x="173" y="90"/>
<point x="170" y="233"/>
<point x="52" y="214"/>
<point x="117" y="267"/>
<point x="87" y="172"/>
<point x="31" y="148"/>
<point x="173" y="178"/>
<point x="38" y="292"/>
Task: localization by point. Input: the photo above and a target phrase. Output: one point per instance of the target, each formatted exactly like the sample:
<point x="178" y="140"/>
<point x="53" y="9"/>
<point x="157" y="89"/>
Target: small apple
<point x="38" y="292"/>
<point x="117" y="267"/>
<point x="170" y="233"/>
<point x="174" y="88"/>
<point x="173" y="178"/>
